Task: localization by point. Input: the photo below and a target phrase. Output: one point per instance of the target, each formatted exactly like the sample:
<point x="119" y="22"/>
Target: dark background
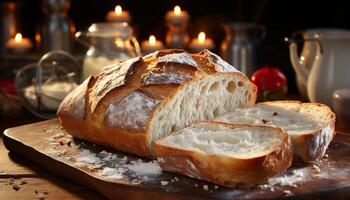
<point x="281" y="18"/>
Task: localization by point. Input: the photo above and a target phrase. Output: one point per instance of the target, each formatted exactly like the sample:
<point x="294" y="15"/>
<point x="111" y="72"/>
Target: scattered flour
<point x="206" y="187"/>
<point x="289" y="180"/>
<point x="145" y="168"/>
<point x="112" y="173"/>
<point x="112" y="166"/>
<point x="164" y="182"/>
<point x="87" y="157"/>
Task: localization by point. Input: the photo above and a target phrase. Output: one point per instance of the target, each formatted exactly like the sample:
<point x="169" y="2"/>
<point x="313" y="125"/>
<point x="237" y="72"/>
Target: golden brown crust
<point x="224" y="170"/>
<point x="150" y="82"/>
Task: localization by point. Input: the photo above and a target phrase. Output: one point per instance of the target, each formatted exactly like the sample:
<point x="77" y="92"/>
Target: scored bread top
<point x="131" y="90"/>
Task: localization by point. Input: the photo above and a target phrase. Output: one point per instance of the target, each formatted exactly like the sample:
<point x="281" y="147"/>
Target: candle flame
<point x="118" y="10"/>
<point x="201" y="37"/>
<point x="177" y="10"/>
<point x="18" y="37"/>
<point x="119" y="43"/>
<point x="152" y="40"/>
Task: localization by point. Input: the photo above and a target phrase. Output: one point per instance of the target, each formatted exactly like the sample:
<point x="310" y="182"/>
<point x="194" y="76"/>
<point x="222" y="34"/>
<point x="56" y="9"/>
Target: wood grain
<point x="43" y="188"/>
<point x="31" y="141"/>
<point x="31" y="177"/>
<point x="15" y="166"/>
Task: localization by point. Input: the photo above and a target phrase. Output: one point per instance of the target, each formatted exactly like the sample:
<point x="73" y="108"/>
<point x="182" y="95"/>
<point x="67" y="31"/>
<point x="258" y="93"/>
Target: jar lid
<point x="107" y="29"/>
<point x="327" y="33"/>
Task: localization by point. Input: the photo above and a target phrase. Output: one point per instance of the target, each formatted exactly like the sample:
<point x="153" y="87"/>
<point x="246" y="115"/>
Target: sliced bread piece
<point x="226" y="154"/>
<point x="310" y="125"/>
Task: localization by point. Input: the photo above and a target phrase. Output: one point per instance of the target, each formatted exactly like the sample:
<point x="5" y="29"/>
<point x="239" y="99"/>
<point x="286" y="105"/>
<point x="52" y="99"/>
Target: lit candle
<point x="151" y="45"/>
<point x="118" y="15"/>
<point x="177" y="16"/>
<point x="201" y="43"/>
<point x="19" y="44"/>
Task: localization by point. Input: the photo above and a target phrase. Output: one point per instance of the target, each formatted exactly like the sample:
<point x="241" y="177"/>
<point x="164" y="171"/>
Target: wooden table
<point x="33" y="181"/>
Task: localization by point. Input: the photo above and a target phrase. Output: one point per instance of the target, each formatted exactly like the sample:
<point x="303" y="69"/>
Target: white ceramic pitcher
<point x="330" y="69"/>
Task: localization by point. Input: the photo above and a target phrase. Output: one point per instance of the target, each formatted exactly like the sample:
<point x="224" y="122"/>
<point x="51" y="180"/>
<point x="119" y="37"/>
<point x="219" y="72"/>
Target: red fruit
<point x="271" y="83"/>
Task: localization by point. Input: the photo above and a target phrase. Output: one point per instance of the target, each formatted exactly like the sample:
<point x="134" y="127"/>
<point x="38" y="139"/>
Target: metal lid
<point x="104" y="29"/>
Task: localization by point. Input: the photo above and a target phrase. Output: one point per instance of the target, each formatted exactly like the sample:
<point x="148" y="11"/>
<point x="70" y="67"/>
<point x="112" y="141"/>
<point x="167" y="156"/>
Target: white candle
<point x="177" y="16"/>
<point x="19" y="44"/>
<point x="118" y="15"/>
<point x="201" y="43"/>
<point x="151" y="45"/>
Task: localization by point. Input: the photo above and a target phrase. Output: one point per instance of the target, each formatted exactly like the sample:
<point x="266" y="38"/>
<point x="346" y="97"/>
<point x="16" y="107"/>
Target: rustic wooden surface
<point x="336" y="187"/>
<point x="35" y="182"/>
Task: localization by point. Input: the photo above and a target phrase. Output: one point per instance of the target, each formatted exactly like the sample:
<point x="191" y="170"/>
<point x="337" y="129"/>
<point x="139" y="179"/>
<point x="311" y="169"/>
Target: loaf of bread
<point x="310" y="125"/>
<point x="132" y="103"/>
<point x="226" y="154"/>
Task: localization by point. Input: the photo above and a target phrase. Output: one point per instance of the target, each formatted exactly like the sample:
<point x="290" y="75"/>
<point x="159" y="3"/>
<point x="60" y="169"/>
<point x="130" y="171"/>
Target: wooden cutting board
<point x="119" y="176"/>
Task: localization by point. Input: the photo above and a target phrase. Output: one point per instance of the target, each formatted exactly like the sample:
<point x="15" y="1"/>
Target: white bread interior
<point x="310" y="126"/>
<point x="222" y="140"/>
<point x="226" y="154"/>
<point x="202" y="99"/>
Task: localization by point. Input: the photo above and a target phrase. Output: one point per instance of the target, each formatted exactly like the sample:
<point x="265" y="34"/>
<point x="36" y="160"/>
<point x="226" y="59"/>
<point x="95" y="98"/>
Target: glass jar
<point x="43" y="85"/>
<point x="107" y="42"/>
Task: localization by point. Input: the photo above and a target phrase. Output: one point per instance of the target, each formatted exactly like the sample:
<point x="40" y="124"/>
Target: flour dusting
<point x="132" y="112"/>
<point x="295" y="177"/>
<point x="145" y="168"/>
<point x="165" y="77"/>
<point x="183" y="58"/>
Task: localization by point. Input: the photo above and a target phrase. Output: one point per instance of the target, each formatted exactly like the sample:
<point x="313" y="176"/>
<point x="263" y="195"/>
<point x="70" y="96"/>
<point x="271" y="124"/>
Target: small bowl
<point x="341" y="105"/>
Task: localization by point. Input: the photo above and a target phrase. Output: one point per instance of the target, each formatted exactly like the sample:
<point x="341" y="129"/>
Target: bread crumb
<point x="164" y="182"/>
<point x="15" y="186"/>
<point x="23" y="182"/>
<point x="205" y="187"/>
<point x="287" y="192"/>
<point x="264" y="121"/>
<point x="316" y="168"/>
<point x="41" y="196"/>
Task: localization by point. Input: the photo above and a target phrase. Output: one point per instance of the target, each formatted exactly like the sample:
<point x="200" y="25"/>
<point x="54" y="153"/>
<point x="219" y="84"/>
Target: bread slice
<point x="310" y="125"/>
<point x="226" y="154"/>
<point x="132" y="103"/>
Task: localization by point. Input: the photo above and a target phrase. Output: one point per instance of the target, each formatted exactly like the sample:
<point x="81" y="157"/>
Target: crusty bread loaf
<point x="226" y="154"/>
<point x="132" y="103"/>
<point x="310" y="125"/>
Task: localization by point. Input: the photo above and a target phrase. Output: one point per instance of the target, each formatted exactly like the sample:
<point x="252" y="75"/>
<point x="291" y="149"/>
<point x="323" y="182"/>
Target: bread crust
<point x="111" y="87"/>
<point x="310" y="146"/>
<point x="228" y="171"/>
